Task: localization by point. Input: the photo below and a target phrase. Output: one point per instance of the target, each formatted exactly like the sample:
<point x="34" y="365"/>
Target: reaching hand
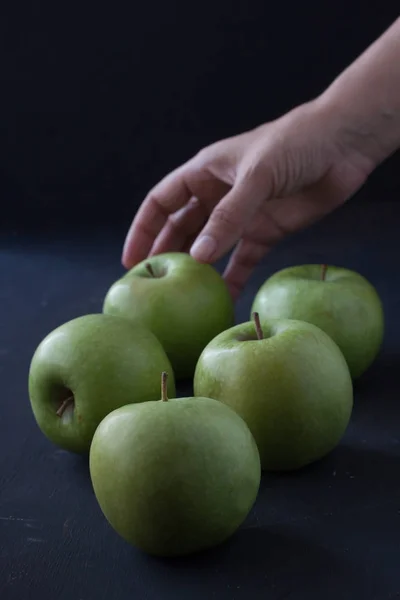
<point x="249" y="191"/>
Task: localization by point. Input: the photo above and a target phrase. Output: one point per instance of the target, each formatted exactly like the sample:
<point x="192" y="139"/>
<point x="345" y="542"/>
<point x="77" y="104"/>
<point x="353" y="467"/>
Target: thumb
<point x="229" y="220"/>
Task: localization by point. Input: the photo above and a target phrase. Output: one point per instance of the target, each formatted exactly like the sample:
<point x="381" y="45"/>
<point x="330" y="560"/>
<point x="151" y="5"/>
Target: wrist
<point x="368" y="133"/>
<point x="363" y="103"/>
<point x="353" y="138"/>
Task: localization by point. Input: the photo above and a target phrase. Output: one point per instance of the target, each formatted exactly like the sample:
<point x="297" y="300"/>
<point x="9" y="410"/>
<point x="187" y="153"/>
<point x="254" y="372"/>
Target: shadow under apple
<point x="265" y="562"/>
<point x="79" y="468"/>
<point x="381" y="377"/>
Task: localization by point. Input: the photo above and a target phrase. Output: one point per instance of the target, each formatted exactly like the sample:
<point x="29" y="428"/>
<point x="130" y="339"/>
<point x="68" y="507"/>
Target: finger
<point x="228" y="221"/>
<point x="184" y="225"/>
<point x="181" y="227"/>
<point x="188" y="244"/>
<point x="277" y="219"/>
<point x="171" y="194"/>
<point x="242" y="262"/>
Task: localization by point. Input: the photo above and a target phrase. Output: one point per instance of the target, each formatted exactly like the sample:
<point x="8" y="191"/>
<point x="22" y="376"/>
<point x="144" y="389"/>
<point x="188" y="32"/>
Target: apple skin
<point x="175" y="477"/>
<point x="186" y="304"/>
<point x="293" y="388"/>
<point x="105" y="363"/>
<point x="345" y="305"/>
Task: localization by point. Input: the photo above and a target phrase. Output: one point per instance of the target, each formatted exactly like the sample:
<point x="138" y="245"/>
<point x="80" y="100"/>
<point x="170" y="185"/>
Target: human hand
<point x="251" y="191"/>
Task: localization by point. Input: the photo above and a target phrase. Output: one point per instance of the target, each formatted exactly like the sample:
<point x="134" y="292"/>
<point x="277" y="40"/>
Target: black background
<point x="97" y="103"/>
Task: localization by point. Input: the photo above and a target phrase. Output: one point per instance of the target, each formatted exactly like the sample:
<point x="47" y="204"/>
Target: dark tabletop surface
<point x="331" y="531"/>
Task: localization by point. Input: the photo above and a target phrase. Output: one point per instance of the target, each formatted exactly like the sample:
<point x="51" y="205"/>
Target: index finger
<point x="168" y="196"/>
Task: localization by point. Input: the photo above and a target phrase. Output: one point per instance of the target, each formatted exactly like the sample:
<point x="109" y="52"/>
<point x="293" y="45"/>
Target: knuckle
<point x="153" y="197"/>
<point x="254" y="170"/>
<point x="262" y="173"/>
<point x="257" y="171"/>
<point x="209" y="154"/>
<point x="226" y="217"/>
<point x="173" y="220"/>
<point x="203" y="156"/>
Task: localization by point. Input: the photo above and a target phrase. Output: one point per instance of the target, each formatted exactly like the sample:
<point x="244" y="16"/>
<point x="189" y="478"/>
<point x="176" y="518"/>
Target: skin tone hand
<point x="248" y="192"/>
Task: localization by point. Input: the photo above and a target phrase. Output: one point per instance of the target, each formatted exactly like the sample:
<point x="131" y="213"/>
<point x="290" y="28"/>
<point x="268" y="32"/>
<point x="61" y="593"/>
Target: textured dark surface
<point x="331" y="531"/>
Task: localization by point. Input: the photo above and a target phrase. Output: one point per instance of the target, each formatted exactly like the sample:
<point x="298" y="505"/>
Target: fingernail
<point x="204" y="248"/>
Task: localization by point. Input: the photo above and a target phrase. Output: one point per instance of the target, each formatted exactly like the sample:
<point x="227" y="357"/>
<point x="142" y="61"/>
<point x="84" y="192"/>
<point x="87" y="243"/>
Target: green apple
<point x="174" y="477"/>
<point x="341" y="302"/>
<point x="288" y="380"/>
<point x="184" y="303"/>
<point x="88" y="367"/>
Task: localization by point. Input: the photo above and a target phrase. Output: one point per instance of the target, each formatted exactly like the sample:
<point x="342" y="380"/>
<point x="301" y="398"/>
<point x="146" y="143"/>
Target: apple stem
<point x="324" y="269"/>
<point x="64" y="405"/>
<point x="257" y="323"/>
<point x="150" y="269"/>
<point x="164" y="395"/>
